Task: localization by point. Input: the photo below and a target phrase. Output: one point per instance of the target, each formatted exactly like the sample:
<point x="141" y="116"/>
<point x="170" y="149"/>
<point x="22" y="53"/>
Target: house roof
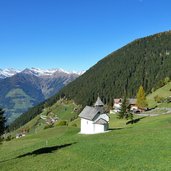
<point x="117" y="100"/>
<point x="99" y="102"/>
<point x="89" y="113"/>
<point x="101" y="121"/>
<point x="132" y="101"/>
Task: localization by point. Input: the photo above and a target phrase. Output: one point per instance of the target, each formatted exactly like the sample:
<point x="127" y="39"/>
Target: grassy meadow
<point x="145" y="145"/>
<point x="164" y="92"/>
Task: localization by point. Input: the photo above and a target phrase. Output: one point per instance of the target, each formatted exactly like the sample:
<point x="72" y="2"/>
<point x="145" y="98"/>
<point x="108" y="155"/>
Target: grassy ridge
<point x="143" y="146"/>
<point x="63" y="109"/>
<point x="164" y="92"/>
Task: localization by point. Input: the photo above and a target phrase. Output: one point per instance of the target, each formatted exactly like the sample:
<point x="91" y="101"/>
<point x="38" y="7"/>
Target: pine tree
<point x="123" y="109"/>
<point x="128" y="114"/>
<point x="2" y="123"/>
<point x="141" y="99"/>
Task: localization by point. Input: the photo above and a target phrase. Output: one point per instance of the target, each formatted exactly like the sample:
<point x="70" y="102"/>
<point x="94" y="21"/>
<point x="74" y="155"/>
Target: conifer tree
<point x="123" y="109"/>
<point x="2" y="123"/>
<point x="141" y="98"/>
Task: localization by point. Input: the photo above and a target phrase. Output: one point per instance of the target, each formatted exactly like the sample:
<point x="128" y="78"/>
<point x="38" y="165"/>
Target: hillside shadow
<point x="45" y="150"/>
<point x="135" y="120"/>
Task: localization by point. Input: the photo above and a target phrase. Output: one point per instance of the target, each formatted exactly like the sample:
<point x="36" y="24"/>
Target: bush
<point x="73" y="118"/>
<point x="158" y="99"/>
<point x="9" y="138"/>
<point x="62" y="123"/>
<point x="1" y="140"/>
<point x="166" y="80"/>
<point x="74" y="125"/>
<point x="168" y="99"/>
<point x="48" y="126"/>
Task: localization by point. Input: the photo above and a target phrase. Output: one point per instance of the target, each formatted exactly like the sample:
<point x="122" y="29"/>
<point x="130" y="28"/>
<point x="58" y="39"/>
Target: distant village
<point x="94" y="119"/>
<point x="131" y="102"/>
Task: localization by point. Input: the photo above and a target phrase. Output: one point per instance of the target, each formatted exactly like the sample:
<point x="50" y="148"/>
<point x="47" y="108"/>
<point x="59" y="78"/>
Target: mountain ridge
<point x="9" y="72"/>
<point x="27" y="88"/>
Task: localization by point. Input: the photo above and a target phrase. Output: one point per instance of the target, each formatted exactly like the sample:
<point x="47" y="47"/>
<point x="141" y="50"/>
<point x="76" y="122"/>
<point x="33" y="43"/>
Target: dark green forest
<point x="145" y="62"/>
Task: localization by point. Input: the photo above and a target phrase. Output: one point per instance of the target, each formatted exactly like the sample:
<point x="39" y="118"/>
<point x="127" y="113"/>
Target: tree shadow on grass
<point x="112" y="129"/>
<point x="45" y="150"/>
<point x="129" y="122"/>
<point x="135" y="120"/>
<point x="40" y="151"/>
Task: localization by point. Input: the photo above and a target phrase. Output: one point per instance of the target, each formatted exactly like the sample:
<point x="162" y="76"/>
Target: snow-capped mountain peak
<point x="49" y="72"/>
<point x="42" y="72"/>
<point x="4" y="73"/>
<point x="71" y="72"/>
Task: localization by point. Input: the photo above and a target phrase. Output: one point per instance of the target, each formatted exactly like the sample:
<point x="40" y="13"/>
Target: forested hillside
<point x="145" y="62"/>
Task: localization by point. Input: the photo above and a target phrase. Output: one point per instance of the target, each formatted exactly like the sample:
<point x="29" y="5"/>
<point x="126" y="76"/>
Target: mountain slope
<point x="63" y="110"/>
<point x="145" y="62"/>
<point x="161" y="95"/>
<point x="30" y="87"/>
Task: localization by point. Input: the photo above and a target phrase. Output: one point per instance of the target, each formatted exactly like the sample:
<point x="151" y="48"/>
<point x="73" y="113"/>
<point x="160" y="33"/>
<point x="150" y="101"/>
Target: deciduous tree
<point x="141" y="98"/>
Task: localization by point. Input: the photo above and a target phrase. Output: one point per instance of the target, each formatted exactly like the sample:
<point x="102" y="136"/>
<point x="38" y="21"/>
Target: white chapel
<point x="94" y="119"/>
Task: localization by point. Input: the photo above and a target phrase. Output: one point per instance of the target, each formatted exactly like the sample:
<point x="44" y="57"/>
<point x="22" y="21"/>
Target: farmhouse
<point x="94" y="119"/>
<point x="118" y="102"/>
<point x="133" y="104"/>
<point x="117" y="105"/>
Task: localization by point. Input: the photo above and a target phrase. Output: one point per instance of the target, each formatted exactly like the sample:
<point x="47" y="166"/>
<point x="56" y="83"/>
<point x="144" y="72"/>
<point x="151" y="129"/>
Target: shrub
<point x="168" y="99"/>
<point x="9" y="138"/>
<point x="48" y="126"/>
<point x="166" y="80"/>
<point x="73" y="118"/>
<point x="158" y="99"/>
<point x="74" y="125"/>
<point x="62" y="123"/>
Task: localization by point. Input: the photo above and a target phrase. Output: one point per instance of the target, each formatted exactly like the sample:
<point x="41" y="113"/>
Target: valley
<point x="21" y="90"/>
<point x="49" y="133"/>
<point x="85" y="85"/>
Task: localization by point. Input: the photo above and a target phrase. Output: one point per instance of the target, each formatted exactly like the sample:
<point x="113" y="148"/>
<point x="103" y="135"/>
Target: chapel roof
<point x="101" y="121"/>
<point x="89" y="113"/>
<point x="99" y="102"/>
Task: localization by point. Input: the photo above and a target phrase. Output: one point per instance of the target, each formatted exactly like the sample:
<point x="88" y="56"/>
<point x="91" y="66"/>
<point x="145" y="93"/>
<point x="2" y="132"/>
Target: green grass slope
<point x="164" y="92"/>
<point x="145" y="145"/>
<point x="64" y="110"/>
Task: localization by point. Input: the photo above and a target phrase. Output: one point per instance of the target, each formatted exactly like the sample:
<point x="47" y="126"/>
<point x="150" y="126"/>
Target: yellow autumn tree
<point x="141" y="98"/>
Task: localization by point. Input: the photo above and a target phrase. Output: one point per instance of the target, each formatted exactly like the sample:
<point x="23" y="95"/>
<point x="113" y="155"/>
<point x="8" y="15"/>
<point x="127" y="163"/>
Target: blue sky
<point x="74" y="34"/>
